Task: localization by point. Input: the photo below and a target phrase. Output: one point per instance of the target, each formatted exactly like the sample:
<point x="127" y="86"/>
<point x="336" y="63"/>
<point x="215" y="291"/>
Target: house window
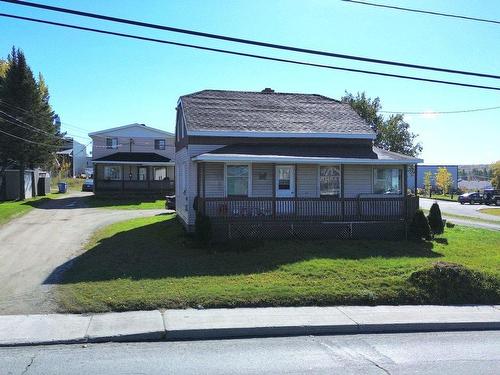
<point x="159" y="173"/>
<point x="142" y="173"/>
<point x="159" y="144"/>
<point x="112" y="172"/>
<point x="329" y="180"/>
<point x="111" y="142"/>
<point x="237" y="180"/>
<point x="387" y="180"/>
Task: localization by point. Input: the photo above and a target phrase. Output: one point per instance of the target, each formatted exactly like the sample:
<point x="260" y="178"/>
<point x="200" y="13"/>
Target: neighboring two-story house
<point x="133" y="158"/>
<point x="276" y="165"/>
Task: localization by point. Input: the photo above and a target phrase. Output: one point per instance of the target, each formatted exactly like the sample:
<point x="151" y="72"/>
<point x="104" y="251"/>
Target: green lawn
<point x="116" y="203"/>
<point x="443" y="197"/>
<point x="11" y="209"/>
<point x="149" y="263"/>
<point x="491" y="211"/>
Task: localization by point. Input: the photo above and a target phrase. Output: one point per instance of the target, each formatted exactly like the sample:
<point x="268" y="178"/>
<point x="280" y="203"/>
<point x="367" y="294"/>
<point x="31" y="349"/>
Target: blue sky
<point x="100" y="81"/>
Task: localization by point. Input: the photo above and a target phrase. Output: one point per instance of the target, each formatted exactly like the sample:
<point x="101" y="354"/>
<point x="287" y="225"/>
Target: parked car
<point x="88" y="185"/>
<point x="170" y="202"/>
<point x="491" y="196"/>
<point x="471" y="198"/>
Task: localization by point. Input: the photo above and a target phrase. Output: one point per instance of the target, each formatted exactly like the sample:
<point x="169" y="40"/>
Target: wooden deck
<point x="309" y="209"/>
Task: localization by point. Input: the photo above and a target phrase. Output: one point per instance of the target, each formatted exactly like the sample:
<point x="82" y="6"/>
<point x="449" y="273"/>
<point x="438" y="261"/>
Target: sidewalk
<point x="193" y="324"/>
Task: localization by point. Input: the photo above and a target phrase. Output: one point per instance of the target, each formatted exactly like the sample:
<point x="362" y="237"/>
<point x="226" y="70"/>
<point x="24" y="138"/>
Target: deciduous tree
<point x="444" y="180"/>
<point x="495" y="171"/>
<point x="393" y="133"/>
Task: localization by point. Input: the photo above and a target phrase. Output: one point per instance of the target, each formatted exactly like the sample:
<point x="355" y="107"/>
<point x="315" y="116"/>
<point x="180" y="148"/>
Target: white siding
<point x="307" y="181"/>
<point x="357" y="180"/>
<point x="262" y="180"/>
<point x="181" y="196"/>
<point x="214" y="180"/>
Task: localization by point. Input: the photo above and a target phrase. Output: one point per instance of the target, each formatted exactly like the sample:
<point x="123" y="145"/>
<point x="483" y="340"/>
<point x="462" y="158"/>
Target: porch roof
<point x="305" y="154"/>
<point x="143" y="158"/>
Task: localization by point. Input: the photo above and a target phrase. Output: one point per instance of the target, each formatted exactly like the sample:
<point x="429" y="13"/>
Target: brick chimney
<point x="267" y="90"/>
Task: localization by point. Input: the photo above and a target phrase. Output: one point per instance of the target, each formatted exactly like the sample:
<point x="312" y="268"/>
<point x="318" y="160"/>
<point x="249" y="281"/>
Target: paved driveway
<point x="34" y="245"/>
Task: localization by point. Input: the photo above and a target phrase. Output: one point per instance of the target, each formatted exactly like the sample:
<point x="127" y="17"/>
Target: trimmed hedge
<point x="450" y="283"/>
<point x="419" y="227"/>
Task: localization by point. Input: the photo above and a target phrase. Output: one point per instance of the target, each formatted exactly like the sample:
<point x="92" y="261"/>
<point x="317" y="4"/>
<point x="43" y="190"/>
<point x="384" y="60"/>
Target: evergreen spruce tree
<point x="435" y="219"/>
<point x="27" y="116"/>
<point x="419" y="227"/>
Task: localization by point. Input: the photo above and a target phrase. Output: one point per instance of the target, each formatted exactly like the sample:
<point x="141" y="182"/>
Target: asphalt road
<point x="426" y="353"/>
<point x="34" y="245"/>
<point x="465" y="211"/>
<point x="456" y="208"/>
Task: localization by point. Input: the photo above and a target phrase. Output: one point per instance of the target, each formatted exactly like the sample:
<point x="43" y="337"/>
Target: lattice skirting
<point x="308" y="230"/>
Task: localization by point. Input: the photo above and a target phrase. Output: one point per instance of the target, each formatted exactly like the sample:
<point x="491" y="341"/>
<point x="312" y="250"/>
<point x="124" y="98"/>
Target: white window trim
<point x="112" y="146"/>
<point x="120" y="177"/>
<point x="250" y="172"/>
<point x="388" y="167"/>
<point x="164" y="144"/>
<point x="319" y="178"/>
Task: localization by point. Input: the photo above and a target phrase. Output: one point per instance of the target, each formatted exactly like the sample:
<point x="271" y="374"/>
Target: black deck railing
<point x="309" y="209"/>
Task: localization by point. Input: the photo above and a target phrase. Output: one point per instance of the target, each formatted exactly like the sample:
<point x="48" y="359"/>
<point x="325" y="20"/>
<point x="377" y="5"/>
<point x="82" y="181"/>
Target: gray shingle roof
<point x="134" y="157"/>
<point x="215" y="110"/>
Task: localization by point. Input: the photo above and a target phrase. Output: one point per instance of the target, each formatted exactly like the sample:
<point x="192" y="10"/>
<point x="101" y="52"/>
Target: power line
<point x="29" y="140"/>
<point x="34" y="128"/>
<point x="443" y="112"/>
<point x="244" y="41"/>
<point x="423" y="11"/>
<point x="262" y="57"/>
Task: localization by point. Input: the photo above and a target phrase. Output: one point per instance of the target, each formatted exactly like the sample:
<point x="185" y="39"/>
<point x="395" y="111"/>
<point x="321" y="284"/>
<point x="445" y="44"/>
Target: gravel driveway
<point x="34" y="245"/>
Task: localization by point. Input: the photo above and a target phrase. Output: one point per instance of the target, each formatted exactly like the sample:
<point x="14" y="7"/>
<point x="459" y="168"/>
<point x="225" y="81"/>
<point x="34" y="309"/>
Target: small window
<point x="329" y="180"/>
<point x="237" y="180"/>
<point x="387" y="181"/>
<point x="112" y="172"/>
<point x="111" y="142"/>
<point x="159" y="144"/>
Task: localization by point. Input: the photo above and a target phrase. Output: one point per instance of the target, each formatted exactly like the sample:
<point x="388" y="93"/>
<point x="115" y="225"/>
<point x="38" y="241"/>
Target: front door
<point x="285" y="181"/>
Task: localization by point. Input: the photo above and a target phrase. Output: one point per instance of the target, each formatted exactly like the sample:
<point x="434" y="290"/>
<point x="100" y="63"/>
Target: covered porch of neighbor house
<point x="135" y="175"/>
<point x="255" y="191"/>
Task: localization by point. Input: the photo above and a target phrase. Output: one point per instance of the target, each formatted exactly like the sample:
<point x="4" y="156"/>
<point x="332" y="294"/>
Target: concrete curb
<point x="190" y="324"/>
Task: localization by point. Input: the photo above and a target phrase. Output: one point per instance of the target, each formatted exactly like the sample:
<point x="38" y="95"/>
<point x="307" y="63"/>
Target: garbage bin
<point x="62" y="186"/>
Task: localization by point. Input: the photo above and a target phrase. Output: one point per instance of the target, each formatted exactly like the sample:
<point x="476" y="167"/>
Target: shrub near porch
<point x="149" y="263"/>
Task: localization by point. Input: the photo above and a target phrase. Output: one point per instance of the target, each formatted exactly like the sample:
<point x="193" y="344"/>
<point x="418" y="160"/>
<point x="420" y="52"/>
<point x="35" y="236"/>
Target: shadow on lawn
<point x="163" y="250"/>
<point x="87" y="201"/>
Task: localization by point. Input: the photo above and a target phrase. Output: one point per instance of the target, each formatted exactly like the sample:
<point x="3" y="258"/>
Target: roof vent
<point x="267" y="90"/>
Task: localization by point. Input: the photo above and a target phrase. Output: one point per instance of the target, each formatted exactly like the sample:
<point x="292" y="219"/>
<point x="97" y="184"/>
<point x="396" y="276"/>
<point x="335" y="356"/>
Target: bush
<point x="203" y="228"/>
<point x="450" y="283"/>
<point x="435" y="219"/>
<point x="419" y="227"/>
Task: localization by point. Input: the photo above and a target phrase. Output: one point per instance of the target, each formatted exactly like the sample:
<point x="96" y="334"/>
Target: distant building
<point x="465" y="185"/>
<point x="422" y="169"/>
<point x="75" y="154"/>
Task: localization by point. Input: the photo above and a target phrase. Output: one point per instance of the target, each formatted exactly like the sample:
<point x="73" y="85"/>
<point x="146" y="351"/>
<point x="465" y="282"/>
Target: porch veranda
<point x="256" y="192"/>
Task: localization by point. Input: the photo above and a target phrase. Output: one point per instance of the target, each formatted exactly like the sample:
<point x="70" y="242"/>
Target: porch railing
<point x="134" y="185"/>
<point x="309" y="209"/>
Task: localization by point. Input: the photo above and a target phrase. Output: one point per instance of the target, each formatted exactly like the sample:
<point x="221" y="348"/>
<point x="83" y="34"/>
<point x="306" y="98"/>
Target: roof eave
<point x="268" y="134"/>
<point x="299" y="159"/>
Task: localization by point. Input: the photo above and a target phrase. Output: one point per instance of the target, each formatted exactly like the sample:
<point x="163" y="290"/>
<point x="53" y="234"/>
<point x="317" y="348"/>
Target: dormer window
<point x="159" y="144"/>
<point x="111" y="143"/>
